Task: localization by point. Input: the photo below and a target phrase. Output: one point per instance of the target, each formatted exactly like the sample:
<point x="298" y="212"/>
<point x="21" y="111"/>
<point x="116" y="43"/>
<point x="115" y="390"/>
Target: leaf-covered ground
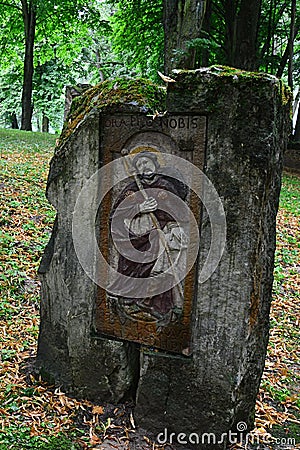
<point x="34" y="415"/>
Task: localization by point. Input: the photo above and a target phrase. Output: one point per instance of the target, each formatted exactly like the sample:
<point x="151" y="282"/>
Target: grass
<point x="278" y="407"/>
<point x="37" y="416"/>
<point x="18" y="438"/>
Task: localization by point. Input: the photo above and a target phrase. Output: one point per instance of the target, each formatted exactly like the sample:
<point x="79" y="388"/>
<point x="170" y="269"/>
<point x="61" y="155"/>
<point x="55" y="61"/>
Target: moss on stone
<point x="148" y="97"/>
<point x="120" y="91"/>
<point x="226" y="71"/>
<point x="236" y="77"/>
<point x="286" y="95"/>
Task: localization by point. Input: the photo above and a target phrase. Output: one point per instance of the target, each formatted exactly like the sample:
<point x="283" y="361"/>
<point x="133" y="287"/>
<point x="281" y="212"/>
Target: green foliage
<point x="88" y="42"/>
<point x="138" y="35"/>
<point x="11" y="35"/>
<point x="279" y="394"/>
<point x="67" y="31"/>
<point x="202" y="43"/>
<point x="49" y="83"/>
<point x="10" y="91"/>
<point x="286" y="255"/>
<point x="273" y="34"/>
<point x="16" y="438"/>
<point x="290" y="194"/>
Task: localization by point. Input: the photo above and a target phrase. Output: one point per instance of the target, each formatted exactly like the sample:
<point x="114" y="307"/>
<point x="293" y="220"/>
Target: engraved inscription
<point x="188" y="122"/>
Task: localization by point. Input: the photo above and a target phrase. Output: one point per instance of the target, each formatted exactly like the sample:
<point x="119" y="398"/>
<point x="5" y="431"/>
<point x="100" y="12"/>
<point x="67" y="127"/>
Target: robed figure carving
<point x="151" y="238"/>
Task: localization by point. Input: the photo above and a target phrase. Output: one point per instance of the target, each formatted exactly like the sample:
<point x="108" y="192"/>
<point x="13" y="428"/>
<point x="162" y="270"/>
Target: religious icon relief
<point x="149" y="229"/>
<point x="150" y="234"/>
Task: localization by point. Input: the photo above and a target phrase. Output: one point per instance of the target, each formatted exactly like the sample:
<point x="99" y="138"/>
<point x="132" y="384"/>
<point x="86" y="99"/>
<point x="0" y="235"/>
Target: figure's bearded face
<point x="145" y="167"/>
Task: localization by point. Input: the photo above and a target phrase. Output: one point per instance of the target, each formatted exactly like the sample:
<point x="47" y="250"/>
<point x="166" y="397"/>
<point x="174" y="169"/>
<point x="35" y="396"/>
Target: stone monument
<point x="156" y="282"/>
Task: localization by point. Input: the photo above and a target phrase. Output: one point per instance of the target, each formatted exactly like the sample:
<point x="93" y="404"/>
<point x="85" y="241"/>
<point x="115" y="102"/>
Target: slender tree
<point x="291" y="44"/>
<point x="29" y="19"/>
<point x="287" y="53"/>
<point x="206" y="27"/>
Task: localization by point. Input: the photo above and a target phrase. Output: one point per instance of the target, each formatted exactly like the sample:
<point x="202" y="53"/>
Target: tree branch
<point x="11" y="5"/>
<point x="272" y="30"/>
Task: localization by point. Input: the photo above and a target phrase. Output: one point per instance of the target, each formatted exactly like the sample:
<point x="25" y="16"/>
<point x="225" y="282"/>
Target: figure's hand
<point x="178" y="234"/>
<point x="148" y="205"/>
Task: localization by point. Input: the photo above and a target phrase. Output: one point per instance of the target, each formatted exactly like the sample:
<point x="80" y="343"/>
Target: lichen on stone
<point x="226" y="71"/>
<point x="286" y="95"/>
<point x="140" y="93"/>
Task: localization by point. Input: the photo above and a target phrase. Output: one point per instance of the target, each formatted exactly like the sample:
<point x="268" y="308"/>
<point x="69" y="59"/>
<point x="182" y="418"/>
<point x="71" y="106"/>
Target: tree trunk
<point x="29" y="18"/>
<point x="245" y="51"/>
<point x="98" y="65"/>
<point x="286" y="55"/>
<point x="230" y="17"/>
<point x="182" y="23"/>
<point x="296" y="135"/>
<point x="267" y="44"/>
<point x="38" y="122"/>
<point x="296" y="101"/>
<point x="207" y="27"/>
<point x="45" y="124"/>
<point x="14" y="121"/>
<point x="291" y="44"/>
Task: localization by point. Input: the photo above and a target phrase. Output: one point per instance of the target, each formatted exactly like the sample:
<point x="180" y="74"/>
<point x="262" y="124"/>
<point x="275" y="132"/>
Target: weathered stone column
<point x="214" y="390"/>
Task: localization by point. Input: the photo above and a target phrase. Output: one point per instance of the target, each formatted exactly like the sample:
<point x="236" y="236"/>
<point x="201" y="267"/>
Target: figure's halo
<point x="150" y="149"/>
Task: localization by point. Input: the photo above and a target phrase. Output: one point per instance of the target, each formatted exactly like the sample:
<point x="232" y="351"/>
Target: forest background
<point x="48" y="44"/>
